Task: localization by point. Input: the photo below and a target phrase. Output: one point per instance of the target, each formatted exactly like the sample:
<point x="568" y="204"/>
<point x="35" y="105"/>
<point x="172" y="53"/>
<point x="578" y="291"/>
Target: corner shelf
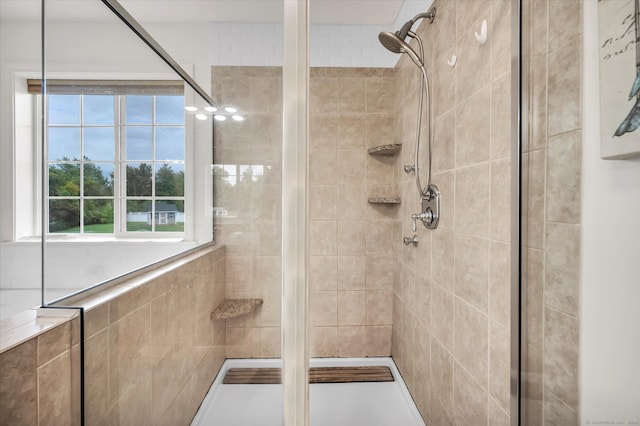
<point x="383" y="200"/>
<point x="390" y="149"/>
<point x="231" y="308"/>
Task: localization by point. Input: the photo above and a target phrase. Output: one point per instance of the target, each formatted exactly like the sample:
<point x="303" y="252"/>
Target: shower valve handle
<point x="426" y="217"/>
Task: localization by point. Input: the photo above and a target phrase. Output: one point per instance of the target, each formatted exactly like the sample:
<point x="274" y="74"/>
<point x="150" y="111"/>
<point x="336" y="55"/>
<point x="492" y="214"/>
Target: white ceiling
<point x="348" y="12"/>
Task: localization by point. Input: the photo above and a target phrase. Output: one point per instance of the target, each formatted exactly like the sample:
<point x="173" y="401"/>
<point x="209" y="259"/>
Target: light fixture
<point x="219" y="112"/>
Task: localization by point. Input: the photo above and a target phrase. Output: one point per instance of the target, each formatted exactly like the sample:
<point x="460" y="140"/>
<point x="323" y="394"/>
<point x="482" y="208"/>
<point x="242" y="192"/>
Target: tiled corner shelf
<point x="384" y="200"/>
<point x="232" y="308"/>
<point x="385" y="149"/>
<point x="390" y="149"/>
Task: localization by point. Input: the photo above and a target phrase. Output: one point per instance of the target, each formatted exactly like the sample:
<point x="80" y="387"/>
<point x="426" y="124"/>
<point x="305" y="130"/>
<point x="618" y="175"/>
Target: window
<point x="116" y="161"/>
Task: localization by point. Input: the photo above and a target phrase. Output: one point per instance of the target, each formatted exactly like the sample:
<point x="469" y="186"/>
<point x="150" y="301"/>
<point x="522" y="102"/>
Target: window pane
<point x="169" y="109"/>
<point x="169" y="143"/>
<point x="138" y="215"/>
<point x="170" y="180"/>
<point x="139" y="143"/>
<point x="98" y="143"/>
<point x="98" y="216"/>
<point x="138" y="179"/>
<point x="169" y="216"/>
<point x="139" y="109"/>
<point x="98" y="179"/>
<point x="64" y="179"/>
<point x="64" y="216"/>
<point x="64" y="109"/>
<point x="64" y="143"/>
<point x="98" y="110"/>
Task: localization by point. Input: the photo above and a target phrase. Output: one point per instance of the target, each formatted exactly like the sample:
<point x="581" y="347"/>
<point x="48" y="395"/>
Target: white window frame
<point x="189" y="165"/>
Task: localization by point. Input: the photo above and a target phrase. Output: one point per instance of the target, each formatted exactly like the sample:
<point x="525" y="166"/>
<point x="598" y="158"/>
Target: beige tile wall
<point x="553" y="160"/>
<point x="252" y="228"/>
<point x="152" y="353"/>
<point x="40" y="379"/>
<point x="451" y="297"/>
<point x="351" y="260"/>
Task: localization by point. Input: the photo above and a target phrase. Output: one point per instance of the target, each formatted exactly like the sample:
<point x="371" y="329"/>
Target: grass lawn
<point x="100" y="228"/>
<point x="107" y="228"/>
<point x="142" y="226"/>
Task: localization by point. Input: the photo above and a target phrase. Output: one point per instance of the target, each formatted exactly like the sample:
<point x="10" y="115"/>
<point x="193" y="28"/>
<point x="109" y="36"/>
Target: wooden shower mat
<point x="272" y="376"/>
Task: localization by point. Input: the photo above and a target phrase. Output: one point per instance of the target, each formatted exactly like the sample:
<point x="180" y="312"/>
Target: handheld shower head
<point x="395" y="44"/>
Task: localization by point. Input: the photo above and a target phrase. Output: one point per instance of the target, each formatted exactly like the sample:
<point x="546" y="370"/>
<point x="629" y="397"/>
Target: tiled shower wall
<point x="248" y="186"/>
<point x="553" y="159"/>
<point x="351" y="250"/>
<point x="151" y="352"/>
<point x="40" y="378"/>
<point x="451" y="298"/>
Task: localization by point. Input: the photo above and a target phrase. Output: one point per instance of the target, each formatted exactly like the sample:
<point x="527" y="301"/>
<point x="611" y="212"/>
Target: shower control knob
<point x="411" y="240"/>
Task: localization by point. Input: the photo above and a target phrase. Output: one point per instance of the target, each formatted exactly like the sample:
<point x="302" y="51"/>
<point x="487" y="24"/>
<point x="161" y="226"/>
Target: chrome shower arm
<point x="406" y="28"/>
<point x="430" y="15"/>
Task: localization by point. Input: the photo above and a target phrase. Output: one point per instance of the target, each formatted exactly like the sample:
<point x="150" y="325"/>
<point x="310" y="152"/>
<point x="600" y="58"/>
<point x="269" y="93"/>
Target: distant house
<point x="165" y="214"/>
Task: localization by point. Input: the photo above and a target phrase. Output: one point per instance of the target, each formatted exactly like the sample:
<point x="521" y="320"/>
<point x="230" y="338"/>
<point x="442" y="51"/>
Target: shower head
<point x="395" y="44"/>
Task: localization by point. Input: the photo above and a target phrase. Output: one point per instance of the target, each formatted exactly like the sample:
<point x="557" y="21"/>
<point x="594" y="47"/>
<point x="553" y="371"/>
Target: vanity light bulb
<point x="219" y="117"/>
<point x="237" y="117"/>
<point x="210" y="109"/>
<point x="201" y="116"/>
<point x="230" y="109"/>
<point x="191" y="108"/>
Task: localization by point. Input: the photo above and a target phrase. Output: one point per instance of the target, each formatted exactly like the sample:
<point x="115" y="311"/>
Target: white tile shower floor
<point x="331" y="404"/>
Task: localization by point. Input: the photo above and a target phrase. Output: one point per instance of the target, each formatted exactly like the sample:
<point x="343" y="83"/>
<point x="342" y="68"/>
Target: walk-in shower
<point x="429" y="194"/>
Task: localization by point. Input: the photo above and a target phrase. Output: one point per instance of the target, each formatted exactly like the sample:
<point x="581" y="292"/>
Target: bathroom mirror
<point x="113" y="156"/>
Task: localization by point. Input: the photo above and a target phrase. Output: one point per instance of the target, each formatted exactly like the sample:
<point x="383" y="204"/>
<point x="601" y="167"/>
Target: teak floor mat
<point x="272" y="376"/>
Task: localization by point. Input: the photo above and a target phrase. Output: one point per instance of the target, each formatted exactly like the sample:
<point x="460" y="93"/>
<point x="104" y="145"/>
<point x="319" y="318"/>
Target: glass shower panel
<point x="126" y="164"/>
<point x="351" y="241"/>
<point x="128" y="149"/>
<point x="550" y="223"/>
<point x="247" y="81"/>
<point x="20" y="243"/>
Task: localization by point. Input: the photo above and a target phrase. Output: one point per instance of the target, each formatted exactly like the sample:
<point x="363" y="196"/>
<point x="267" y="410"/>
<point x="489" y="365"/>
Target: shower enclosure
<point x="240" y="159"/>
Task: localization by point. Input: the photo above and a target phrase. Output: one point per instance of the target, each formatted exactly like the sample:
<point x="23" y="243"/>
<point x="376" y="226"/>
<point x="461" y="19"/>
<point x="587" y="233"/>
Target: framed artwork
<point x="619" y="31"/>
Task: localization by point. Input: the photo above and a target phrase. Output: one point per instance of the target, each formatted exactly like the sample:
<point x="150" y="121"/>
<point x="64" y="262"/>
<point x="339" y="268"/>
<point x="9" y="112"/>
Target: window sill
<point x="68" y="239"/>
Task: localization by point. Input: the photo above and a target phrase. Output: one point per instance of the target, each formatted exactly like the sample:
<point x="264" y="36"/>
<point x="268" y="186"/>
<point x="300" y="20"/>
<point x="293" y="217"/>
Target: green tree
<point x="98" y="211"/>
<point x="169" y="182"/>
<point x="64" y="179"/>
<point x="95" y="182"/>
<point x="63" y="214"/>
<point x="139" y="180"/>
